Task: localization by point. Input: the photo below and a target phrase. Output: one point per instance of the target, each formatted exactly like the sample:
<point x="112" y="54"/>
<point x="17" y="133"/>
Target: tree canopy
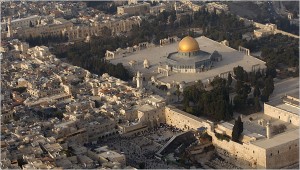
<point x="214" y="104"/>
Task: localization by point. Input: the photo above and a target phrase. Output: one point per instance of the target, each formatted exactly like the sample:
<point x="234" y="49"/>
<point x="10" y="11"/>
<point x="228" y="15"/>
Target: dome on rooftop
<point x="188" y="44"/>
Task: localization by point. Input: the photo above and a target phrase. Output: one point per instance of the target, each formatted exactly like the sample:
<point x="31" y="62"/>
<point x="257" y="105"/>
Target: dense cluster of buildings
<point x="51" y="109"/>
<point x="77" y="29"/>
<point x="78" y="22"/>
<point x="53" y="114"/>
<point x="91" y="107"/>
<point x="25" y="9"/>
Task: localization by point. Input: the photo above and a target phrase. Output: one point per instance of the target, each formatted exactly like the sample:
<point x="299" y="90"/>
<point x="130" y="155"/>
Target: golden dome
<point x="188" y="44"/>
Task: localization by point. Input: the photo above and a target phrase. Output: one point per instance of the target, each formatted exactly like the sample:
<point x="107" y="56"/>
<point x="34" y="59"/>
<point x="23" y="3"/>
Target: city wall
<point x="243" y="155"/>
<point x="283" y="155"/>
<point x="183" y="120"/>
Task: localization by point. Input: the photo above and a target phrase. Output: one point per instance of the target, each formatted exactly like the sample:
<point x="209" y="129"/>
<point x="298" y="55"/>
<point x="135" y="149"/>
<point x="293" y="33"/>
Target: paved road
<point x="286" y="86"/>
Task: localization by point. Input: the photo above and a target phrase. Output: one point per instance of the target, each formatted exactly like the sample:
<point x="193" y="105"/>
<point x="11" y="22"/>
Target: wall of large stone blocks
<point x="283" y="155"/>
<point x="243" y="155"/>
<point x="182" y="120"/>
<point x="152" y="118"/>
<point x="281" y="114"/>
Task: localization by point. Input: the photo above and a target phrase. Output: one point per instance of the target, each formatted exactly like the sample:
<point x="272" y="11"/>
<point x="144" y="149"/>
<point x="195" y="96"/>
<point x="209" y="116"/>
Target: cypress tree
<point x="237" y="129"/>
<point x="229" y="79"/>
<point x="256" y="92"/>
<point x="257" y="106"/>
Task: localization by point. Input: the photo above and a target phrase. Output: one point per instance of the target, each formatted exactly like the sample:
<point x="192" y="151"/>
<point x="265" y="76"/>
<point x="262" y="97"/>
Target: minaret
<point x="139" y="80"/>
<point x="9" y="31"/>
<point x="268" y="131"/>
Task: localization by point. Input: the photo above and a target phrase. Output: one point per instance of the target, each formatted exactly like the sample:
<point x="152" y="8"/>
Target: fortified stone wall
<point x="244" y="155"/>
<point x="183" y="120"/>
<point x="283" y="155"/>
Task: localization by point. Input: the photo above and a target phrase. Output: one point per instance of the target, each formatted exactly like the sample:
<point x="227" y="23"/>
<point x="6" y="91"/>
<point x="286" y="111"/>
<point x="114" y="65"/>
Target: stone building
<point x="134" y="9"/>
<point x="48" y="26"/>
<point x="286" y="109"/>
<point x="256" y="151"/>
<point x="95" y="29"/>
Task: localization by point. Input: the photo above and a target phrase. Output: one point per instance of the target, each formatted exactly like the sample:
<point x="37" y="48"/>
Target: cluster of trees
<point x="214" y="104"/>
<point x="276" y="49"/>
<point x="47" y="113"/>
<point x="46" y="40"/>
<point x="283" y="23"/>
<point x="259" y="80"/>
<point x="222" y="26"/>
<point x="90" y="56"/>
<point x="216" y="26"/>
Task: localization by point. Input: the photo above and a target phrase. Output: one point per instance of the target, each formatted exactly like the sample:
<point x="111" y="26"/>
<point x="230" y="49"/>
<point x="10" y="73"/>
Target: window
<point x="271" y="154"/>
<point x="290" y="147"/>
<point x="278" y="151"/>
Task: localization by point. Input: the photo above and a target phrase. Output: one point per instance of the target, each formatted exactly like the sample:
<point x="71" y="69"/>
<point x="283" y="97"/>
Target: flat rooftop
<point x="289" y="108"/>
<point x="278" y="140"/>
<point x="158" y="55"/>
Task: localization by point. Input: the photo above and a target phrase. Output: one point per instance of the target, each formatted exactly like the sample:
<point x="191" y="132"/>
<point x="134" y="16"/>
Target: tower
<point x="9" y="31"/>
<point x="268" y="131"/>
<point x="139" y="80"/>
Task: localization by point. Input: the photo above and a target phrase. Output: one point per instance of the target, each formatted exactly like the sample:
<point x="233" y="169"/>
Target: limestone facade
<point x="116" y="27"/>
<point x="134" y="9"/>
<point x="36" y="26"/>
<point x="283" y="155"/>
<point x="183" y="120"/>
<point x="255" y="153"/>
<point x="281" y="114"/>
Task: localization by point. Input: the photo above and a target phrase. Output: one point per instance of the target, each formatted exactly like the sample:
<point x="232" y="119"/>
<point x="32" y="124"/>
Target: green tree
<point x="178" y="92"/>
<point x="238" y="86"/>
<point x="257" y="106"/>
<point x="238" y="102"/>
<point x="237" y="130"/>
<point x="271" y="71"/>
<point x="269" y="85"/>
<point x="264" y="96"/>
<point x="239" y="73"/>
<point x="142" y="165"/>
<point x="229" y="79"/>
<point x="256" y="92"/>
<point x="30" y="24"/>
